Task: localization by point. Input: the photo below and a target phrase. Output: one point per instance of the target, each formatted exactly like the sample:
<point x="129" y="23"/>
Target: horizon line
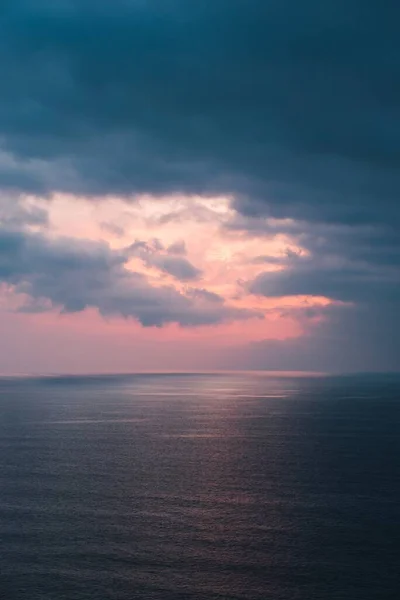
<point x="262" y="372"/>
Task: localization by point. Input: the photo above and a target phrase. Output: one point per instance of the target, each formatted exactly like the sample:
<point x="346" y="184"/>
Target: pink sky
<point x="79" y="342"/>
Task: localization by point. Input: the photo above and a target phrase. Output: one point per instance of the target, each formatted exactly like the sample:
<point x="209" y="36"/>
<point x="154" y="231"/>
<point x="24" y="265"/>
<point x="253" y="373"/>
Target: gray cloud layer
<point x="74" y="275"/>
<point x="343" y="263"/>
<point x="297" y="102"/>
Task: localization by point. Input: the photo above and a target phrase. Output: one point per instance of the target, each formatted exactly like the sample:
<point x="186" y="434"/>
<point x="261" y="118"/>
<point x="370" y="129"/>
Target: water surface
<point x="173" y="487"/>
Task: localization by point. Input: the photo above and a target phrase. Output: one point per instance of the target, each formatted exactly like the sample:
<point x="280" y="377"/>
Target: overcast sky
<point x="197" y="185"/>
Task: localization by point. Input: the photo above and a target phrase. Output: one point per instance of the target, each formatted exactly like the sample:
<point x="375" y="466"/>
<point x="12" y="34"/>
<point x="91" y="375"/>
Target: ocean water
<point x="172" y="487"/>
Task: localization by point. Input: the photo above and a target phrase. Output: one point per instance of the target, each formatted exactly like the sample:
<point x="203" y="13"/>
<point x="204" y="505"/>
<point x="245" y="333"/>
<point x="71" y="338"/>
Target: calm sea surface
<point x="173" y="487"/>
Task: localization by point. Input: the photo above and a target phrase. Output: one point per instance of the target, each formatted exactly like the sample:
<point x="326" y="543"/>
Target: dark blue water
<point x="200" y="487"/>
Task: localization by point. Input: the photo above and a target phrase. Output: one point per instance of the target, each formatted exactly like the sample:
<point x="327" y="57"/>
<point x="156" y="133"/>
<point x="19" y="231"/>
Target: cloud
<point x="113" y="229"/>
<point x="16" y="213"/>
<point x="291" y="106"/>
<point x="72" y="275"/>
<point x="153" y="254"/>
<point x="348" y="339"/>
<point x="337" y="281"/>
<point x="341" y="262"/>
<point x="178" y="248"/>
<point x="178" y="267"/>
<point x="205" y="295"/>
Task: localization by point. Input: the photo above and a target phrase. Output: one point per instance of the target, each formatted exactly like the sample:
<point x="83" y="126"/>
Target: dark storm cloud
<point x="292" y="106"/>
<point x="73" y="275"/>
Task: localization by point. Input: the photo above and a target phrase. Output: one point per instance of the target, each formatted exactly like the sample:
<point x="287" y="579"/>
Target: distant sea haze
<point x="240" y="486"/>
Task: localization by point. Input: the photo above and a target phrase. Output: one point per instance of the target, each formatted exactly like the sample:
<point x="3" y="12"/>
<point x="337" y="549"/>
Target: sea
<point x="239" y="486"/>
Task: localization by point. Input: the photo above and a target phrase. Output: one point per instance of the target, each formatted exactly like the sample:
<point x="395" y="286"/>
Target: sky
<point x="199" y="185"/>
